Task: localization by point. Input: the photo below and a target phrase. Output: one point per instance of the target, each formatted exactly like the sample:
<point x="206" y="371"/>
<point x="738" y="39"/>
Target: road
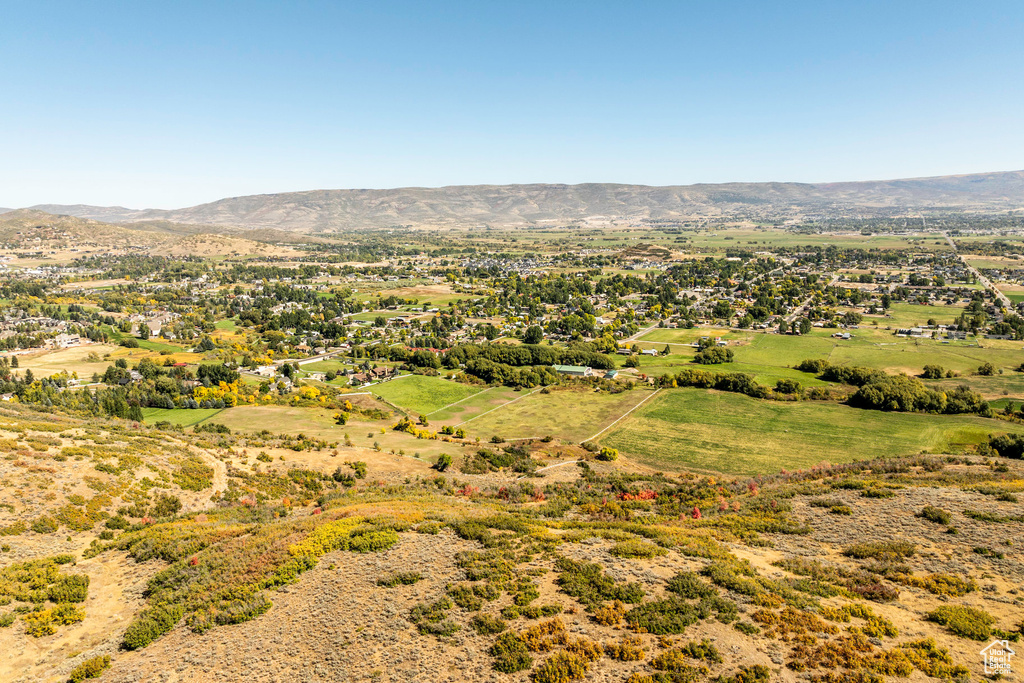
<point x="807" y="302"/>
<point x="985" y="282"/>
<point x="639" y="334"/>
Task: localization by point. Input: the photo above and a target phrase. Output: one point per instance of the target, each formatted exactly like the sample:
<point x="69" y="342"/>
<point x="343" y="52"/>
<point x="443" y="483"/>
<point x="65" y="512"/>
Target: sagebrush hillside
<point x="196" y="561"/>
<point x="472" y="205"/>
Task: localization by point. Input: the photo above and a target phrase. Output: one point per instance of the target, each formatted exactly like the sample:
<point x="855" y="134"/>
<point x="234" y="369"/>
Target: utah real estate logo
<point x="997" y="657"/>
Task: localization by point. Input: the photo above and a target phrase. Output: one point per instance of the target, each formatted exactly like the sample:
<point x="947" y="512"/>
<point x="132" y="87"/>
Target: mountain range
<point x="320" y="211"/>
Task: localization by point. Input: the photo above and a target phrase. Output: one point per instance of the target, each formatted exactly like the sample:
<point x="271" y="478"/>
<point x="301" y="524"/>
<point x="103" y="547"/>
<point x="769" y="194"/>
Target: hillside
<point x="185" y="556"/>
<point x="219" y="245"/>
<point x="31" y="226"/>
<point x="34" y="228"/>
<point x="329" y="210"/>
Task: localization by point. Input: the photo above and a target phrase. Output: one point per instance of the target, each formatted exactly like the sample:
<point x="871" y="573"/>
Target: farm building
<point x="573" y="370"/>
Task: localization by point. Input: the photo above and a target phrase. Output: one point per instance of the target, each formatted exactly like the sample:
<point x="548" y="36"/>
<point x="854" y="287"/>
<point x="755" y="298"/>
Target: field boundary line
<point x="558" y="464"/>
<point x="501" y="406"/>
<point x="479" y="393"/>
<point x="623" y="416"/>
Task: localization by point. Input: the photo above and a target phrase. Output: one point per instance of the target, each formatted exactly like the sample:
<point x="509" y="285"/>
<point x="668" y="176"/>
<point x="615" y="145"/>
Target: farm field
<point x="46" y="363"/>
<point x="155" y="345"/>
<point x="486" y="399"/>
<point x="665" y="335"/>
<point x="726" y="238"/>
<point x="735" y="434"/>
<point x="902" y="314"/>
<point x="1007" y="385"/>
<point x="179" y="416"/>
<point x="422" y="394"/>
<point x="319" y="423"/>
<point x="572" y="415"/>
<point x="770" y="357"/>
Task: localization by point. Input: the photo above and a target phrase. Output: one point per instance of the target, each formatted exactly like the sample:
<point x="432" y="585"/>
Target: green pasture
<point x="736" y="434"/>
<point x="490" y="398"/>
<point x="566" y="414"/>
<point x="179" y="416"/>
<point x="422" y="394"/>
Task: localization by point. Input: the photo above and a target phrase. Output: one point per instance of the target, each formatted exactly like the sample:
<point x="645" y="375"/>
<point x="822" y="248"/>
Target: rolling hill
<point x="538" y="204"/>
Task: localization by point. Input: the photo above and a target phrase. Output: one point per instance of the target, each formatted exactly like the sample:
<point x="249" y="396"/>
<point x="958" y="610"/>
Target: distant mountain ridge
<point x="509" y="205"/>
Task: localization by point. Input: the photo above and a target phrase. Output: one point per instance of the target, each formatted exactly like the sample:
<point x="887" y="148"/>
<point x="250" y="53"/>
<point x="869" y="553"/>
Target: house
<point x="317" y="376"/>
<point x="66" y="341"/>
<point x="266" y="370"/>
<point x="649" y="352"/>
<point x="611" y="374"/>
<point x="573" y="370"/>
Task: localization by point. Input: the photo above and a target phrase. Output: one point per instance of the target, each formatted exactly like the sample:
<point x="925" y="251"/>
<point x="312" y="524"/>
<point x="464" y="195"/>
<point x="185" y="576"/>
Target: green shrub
<point x="966" y="622"/>
<point x="628" y="649"/>
<point x="663" y="617"/>
<point x="6" y="619"/>
<point x="530" y="611"/>
<point x="44" y="525"/>
<point x="150" y="624"/>
<point x="886" y="551"/>
<point x="486" y="625"/>
<point x="510" y="653"/>
<point x="759" y="673"/>
<point x="70" y="588"/>
<point x="703" y="650"/>
<point x="399" y="579"/>
<point x="525" y="593"/>
<point x="676" y="661"/>
<point x="90" y="668"/>
<point x="561" y="667"/>
<point x="747" y="629"/>
<point x="934" y="514"/>
<point x="690" y="586"/>
<point x="44" y="622"/>
<point x="373" y="541"/>
<point x="588" y="583"/>
<point x="463" y="596"/>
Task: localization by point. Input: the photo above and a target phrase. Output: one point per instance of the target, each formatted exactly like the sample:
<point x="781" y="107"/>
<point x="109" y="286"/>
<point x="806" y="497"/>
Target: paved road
<point x="807" y="302"/>
<point x="640" y="333"/>
<point x="985" y="282"/>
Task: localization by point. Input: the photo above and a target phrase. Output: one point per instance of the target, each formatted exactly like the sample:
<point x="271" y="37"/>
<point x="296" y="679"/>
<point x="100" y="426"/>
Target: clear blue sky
<point x="147" y="104"/>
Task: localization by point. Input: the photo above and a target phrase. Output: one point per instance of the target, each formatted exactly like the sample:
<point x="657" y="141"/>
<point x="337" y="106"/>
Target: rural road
<point x="985" y="282"/>
<point x="807" y="302"/>
<point x="640" y="333"/>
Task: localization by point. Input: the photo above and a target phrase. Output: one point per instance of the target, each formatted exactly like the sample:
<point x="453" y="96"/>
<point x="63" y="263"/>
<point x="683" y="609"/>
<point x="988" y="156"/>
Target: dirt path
<point x="623" y="416"/>
<point x="220" y="470"/>
<point x="519" y="398"/>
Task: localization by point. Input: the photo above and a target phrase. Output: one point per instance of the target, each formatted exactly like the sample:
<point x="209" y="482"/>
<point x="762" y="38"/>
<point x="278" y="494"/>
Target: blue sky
<point x="172" y="104"/>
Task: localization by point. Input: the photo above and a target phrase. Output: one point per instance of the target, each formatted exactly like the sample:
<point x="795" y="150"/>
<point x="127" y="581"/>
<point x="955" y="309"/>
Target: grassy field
<point x="566" y="414"/>
<point x="179" y="416"/>
<point x="46" y="363"/>
<point x="732" y="433"/>
<point x="477" y="404"/>
<point x="1007" y="385"/>
<point x="156" y="345"/>
<point x="320" y="424"/>
<point x="421" y="394"/>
